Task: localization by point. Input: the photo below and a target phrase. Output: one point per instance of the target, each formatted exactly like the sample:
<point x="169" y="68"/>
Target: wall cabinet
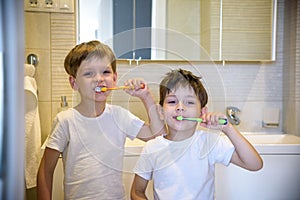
<point x="238" y="30"/>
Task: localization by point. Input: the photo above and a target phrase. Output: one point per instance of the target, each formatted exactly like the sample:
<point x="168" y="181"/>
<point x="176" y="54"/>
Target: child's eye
<point x="170" y="102"/>
<point x="190" y="102"/>
<point x="89" y="74"/>
<point x="107" y="72"/>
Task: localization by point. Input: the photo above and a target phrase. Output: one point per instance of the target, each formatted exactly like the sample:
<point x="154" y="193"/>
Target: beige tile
<point x="45" y="118"/>
<point x="56" y="108"/>
<point x="37" y="30"/>
<point x="135" y="107"/>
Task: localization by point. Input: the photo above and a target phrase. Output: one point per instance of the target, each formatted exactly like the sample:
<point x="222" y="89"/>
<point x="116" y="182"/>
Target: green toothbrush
<point x="180" y="118"/>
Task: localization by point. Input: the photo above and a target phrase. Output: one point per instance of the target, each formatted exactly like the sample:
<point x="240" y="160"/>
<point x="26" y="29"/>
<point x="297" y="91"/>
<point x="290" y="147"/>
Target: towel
<point x="32" y="129"/>
<point x="29" y="70"/>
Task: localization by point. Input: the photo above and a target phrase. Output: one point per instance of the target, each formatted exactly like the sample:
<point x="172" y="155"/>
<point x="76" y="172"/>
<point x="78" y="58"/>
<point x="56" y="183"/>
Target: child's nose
<point x="180" y="106"/>
<point x="99" y="78"/>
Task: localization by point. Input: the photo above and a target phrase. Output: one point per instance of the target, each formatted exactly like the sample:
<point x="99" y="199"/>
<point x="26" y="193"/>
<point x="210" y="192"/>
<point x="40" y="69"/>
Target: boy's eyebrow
<point x="173" y="95"/>
<point x="109" y="66"/>
<point x="191" y="95"/>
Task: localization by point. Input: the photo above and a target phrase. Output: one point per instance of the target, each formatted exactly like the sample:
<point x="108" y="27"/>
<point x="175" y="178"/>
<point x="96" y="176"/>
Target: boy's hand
<point x="211" y="120"/>
<point x="139" y="88"/>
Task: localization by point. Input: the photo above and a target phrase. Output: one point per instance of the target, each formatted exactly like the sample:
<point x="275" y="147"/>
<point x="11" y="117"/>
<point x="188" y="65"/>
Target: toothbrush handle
<point x="126" y="87"/>
<point x="222" y="121"/>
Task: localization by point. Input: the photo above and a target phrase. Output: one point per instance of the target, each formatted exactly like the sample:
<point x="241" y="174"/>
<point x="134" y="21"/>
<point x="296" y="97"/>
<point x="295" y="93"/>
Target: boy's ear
<point x="115" y="78"/>
<point x="204" y="110"/>
<point x="72" y="82"/>
<point x="160" y="112"/>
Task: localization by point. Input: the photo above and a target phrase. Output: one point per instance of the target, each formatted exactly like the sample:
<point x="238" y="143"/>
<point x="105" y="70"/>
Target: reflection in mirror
<point x="154" y="29"/>
<point x="184" y="47"/>
<point x="218" y="30"/>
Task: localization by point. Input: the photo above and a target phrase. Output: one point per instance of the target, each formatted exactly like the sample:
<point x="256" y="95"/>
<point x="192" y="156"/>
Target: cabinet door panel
<point x="247" y="30"/>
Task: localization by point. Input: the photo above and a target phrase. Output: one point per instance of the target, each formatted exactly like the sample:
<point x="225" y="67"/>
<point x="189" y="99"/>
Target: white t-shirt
<point x="92" y="151"/>
<point x="184" y="169"/>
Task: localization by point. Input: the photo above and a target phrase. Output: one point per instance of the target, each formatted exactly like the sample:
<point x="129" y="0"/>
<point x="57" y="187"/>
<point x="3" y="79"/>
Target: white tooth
<point x="97" y="89"/>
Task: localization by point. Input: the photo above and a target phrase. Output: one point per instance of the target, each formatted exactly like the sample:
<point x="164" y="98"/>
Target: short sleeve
<point x="127" y="122"/>
<point x="143" y="167"/>
<point x="223" y="151"/>
<point x="58" y="138"/>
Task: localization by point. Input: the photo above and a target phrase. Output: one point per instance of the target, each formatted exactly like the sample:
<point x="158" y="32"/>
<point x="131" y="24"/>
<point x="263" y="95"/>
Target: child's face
<point x="92" y="73"/>
<point x="181" y="102"/>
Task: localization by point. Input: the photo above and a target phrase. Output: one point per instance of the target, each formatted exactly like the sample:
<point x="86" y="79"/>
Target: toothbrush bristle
<point x="180" y="118"/>
<point x="104" y="89"/>
<point x="100" y="89"/>
<point x="97" y="89"/>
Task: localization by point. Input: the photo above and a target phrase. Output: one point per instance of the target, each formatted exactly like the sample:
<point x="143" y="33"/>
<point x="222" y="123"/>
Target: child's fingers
<point x="136" y="84"/>
<point x="213" y="119"/>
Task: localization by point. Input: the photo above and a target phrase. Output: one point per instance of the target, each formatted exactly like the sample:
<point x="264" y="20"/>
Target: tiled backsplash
<point x="249" y="86"/>
<point x="291" y="69"/>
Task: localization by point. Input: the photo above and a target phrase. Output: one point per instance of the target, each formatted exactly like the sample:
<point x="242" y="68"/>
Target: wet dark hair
<point x="180" y="77"/>
<point x="85" y="51"/>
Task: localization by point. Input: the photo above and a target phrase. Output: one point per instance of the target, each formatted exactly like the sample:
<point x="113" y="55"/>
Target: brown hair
<point x="181" y="77"/>
<point x="85" y="51"/>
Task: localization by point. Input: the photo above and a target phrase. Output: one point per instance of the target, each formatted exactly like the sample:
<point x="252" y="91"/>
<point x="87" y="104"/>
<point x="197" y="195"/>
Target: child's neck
<point x="94" y="109"/>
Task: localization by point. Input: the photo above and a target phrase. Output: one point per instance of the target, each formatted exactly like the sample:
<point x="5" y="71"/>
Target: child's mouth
<point x="100" y="89"/>
<point x="178" y="118"/>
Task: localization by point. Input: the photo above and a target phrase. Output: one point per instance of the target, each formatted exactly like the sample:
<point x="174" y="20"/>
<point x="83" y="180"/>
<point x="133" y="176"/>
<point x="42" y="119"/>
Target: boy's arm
<point x="156" y="125"/>
<point x="245" y="154"/>
<point x="138" y="188"/>
<point x="45" y="174"/>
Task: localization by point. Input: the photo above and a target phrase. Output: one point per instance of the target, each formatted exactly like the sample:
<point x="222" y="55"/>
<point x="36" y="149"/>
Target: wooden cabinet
<point x="238" y="30"/>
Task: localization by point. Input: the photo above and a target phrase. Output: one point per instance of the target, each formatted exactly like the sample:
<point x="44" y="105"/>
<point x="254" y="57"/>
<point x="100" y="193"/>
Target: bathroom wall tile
<point x="37" y="30"/>
<point x="290" y="116"/>
<point x="291" y="70"/>
<point x="63" y="39"/>
<point x="297" y="111"/>
<point x="251" y="115"/>
<point x="45" y="118"/>
<point x="55" y="108"/>
<point x="252" y="82"/>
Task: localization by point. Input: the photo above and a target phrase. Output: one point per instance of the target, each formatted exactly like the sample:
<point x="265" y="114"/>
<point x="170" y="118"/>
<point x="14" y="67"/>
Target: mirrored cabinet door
<point x="128" y="16"/>
<point x="248" y="30"/>
<point x="206" y="30"/>
<point x="238" y="30"/>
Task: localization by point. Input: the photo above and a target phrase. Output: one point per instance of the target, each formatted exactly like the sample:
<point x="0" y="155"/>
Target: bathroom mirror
<point x="181" y="30"/>
<point x="160" y="33"/>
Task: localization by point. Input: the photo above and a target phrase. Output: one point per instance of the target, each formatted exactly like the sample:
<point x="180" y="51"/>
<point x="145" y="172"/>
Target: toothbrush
<point x="180" y="118"/>
<point x="104" y="89"/>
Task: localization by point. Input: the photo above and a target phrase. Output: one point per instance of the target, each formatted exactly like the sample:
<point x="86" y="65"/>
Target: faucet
<point x="232" y="115"/>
